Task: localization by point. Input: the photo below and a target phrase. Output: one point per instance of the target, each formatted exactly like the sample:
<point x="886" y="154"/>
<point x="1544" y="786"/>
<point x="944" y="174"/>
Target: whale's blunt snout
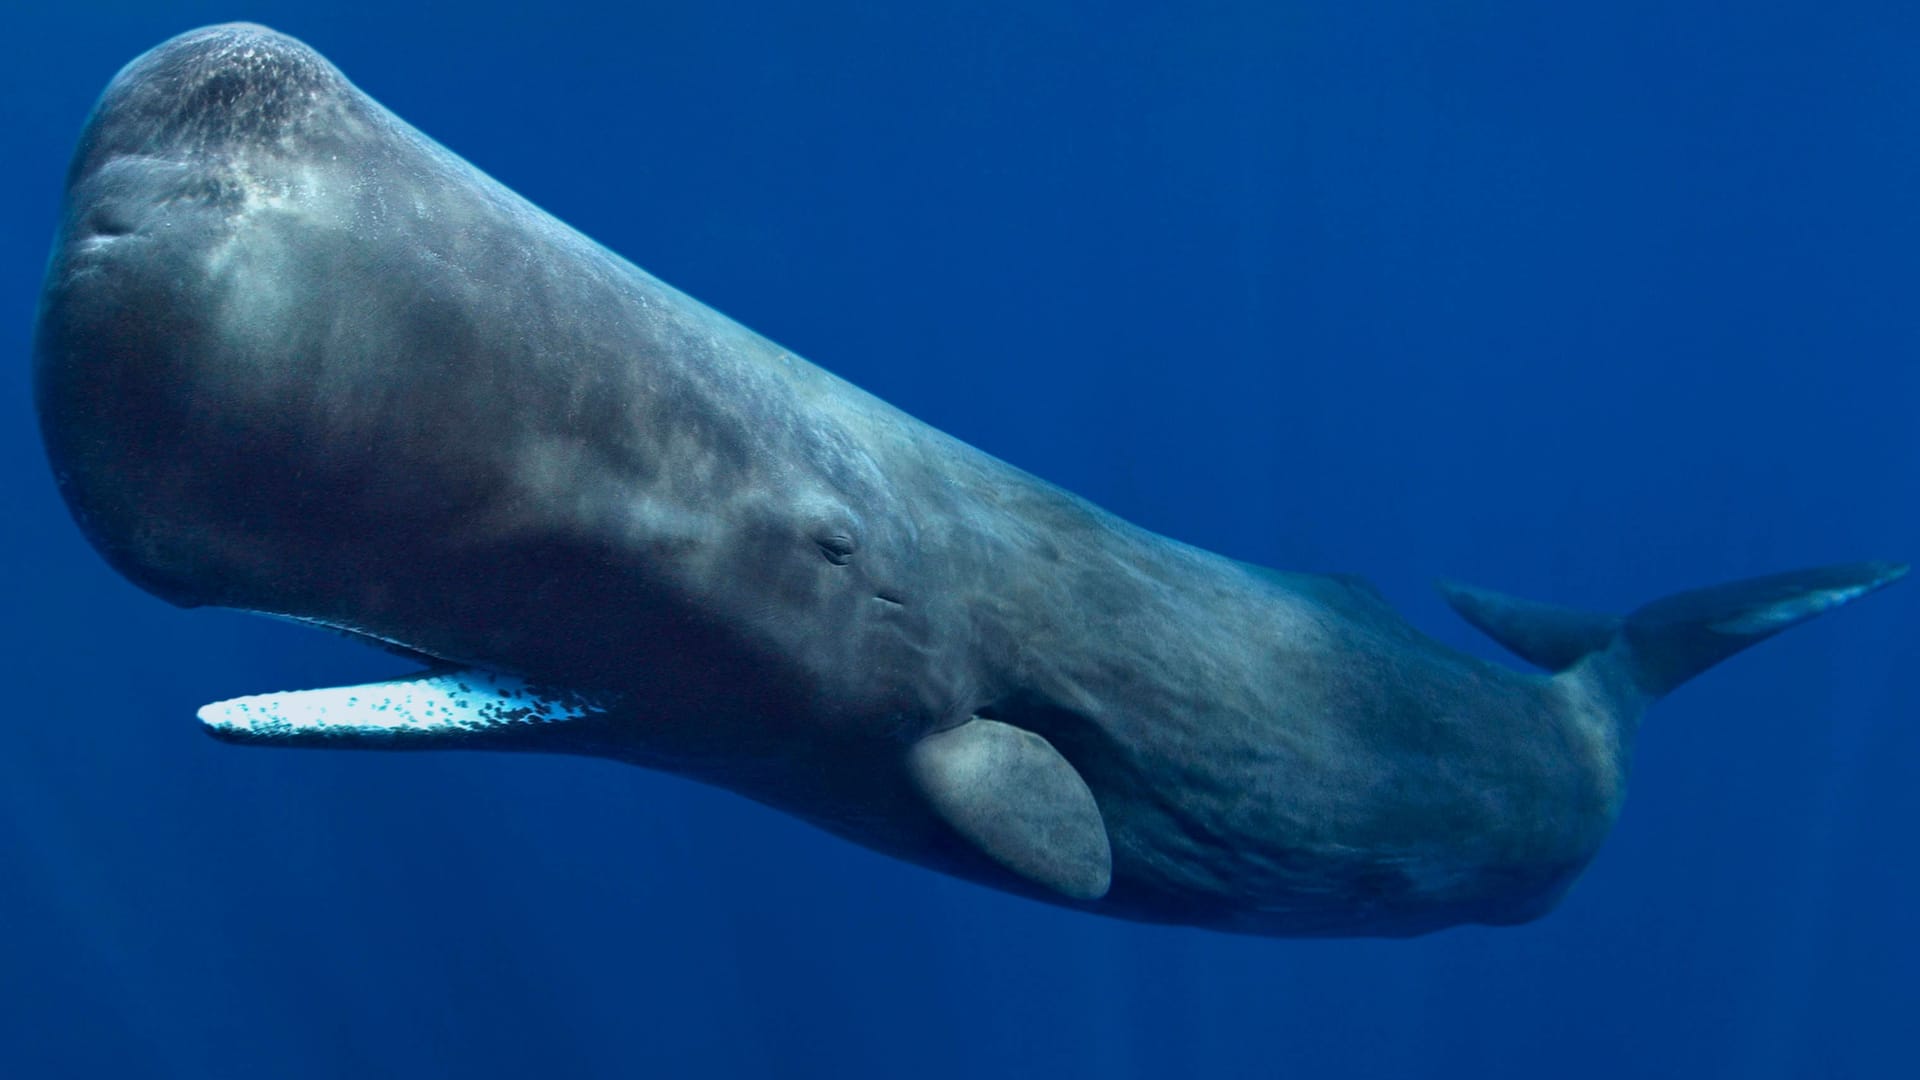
<point x="208" y="91"/>
<point x="174" y="295"/>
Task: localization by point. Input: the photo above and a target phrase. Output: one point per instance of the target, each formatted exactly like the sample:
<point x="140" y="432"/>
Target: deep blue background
<point x="1589" y="305"/>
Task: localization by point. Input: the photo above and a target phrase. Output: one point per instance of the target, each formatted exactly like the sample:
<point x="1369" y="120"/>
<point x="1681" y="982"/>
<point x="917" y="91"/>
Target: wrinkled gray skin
<point x="294" y="357"/>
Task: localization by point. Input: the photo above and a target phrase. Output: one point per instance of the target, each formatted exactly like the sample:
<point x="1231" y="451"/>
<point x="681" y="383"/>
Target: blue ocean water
<point x="1583" y="302"/>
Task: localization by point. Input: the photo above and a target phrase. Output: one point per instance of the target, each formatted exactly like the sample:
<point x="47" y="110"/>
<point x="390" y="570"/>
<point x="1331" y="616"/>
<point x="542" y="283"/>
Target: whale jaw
<point x="433" y="709"/>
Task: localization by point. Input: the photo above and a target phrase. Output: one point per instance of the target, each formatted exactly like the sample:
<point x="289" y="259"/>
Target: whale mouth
<point x="446" y="700"/>
<point x="427" y="706"/>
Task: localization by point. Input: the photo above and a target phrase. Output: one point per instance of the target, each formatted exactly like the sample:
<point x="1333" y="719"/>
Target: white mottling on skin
<point x="465" y="701"/>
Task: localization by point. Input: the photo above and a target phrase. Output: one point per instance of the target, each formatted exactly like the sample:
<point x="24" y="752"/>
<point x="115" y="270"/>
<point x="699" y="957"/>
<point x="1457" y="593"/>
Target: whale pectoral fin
<point x="1012" y="795"/>
<point x="433" y="710"/>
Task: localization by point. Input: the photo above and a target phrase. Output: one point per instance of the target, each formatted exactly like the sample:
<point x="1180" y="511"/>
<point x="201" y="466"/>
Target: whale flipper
<point x="1012" y="795"/>
<point x="446" y="709"/>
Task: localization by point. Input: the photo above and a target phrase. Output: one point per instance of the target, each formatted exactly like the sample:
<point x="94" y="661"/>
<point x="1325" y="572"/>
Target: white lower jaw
<point x="425" y="707"/>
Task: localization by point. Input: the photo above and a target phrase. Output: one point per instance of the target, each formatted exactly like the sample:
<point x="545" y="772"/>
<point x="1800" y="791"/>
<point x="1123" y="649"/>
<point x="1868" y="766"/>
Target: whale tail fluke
<point x="1544" y="635"/>
<point x="1671" y="640"/>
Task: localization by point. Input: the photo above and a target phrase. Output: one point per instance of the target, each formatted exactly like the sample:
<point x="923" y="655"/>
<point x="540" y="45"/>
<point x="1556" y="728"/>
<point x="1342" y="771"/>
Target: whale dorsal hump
<point x="1009" y="793"/>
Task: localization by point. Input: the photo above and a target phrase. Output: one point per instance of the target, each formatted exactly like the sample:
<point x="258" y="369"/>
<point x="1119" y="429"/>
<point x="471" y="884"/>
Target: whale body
<point x="294" y="357"/>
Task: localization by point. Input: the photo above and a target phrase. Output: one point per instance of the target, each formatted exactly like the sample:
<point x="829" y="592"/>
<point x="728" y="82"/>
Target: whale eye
<point x="832" y="526"/>
<point x="836" y="546"/>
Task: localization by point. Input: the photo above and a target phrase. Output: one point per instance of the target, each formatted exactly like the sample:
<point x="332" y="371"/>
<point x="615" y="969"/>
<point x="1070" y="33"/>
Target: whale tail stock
<point x="1665" y="643"/>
